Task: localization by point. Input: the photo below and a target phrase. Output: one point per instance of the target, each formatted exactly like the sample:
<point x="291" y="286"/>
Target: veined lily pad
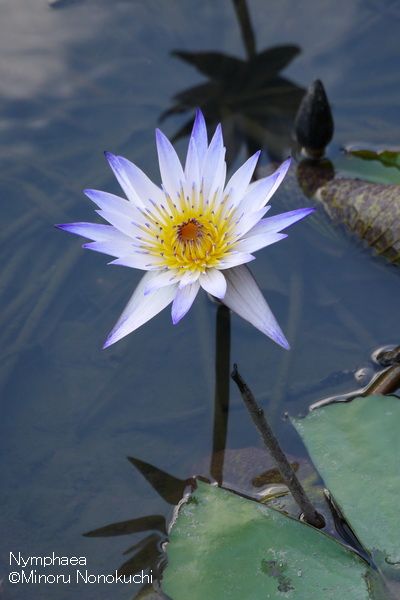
<point x="356" y="448"/>
<point x="225" y="546"/>
<point x="370" y="210"/>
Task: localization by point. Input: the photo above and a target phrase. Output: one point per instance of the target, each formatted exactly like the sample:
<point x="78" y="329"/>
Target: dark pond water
<point x="76" y="78"/>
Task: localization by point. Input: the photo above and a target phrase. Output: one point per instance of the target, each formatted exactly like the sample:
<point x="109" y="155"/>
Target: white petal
<point x="138" y="260"/>
<point x="164" y="278"/>
<point x="213" y="282"/>
<point x="262" y="190"/>
<point x="143" y="186"/>
<point x="239" y="182"/>
<point x="140" y="308"/>
<point x="192" y="173"/>
<point x="212" y="161"/>
<point x="246" y="221"/>
<point x="235" y="258"/>
<point x="110" y="202"/>
<point x="256" y="242"/>
<point x="188" y="277"/>
<point x="107" y="239"/>
<point x="218" y="183"/>
<point x="122" y="176"/>
<point x="110" y="247"/>
<point x="183" y="301"/>
<point x="120" y="222"/>
<point x="199" y="135"/>
<point x="94" y="231"/>
<point x="170" y="167"/>
<point x="244" y="297"/>
<point x="279" y="222"/>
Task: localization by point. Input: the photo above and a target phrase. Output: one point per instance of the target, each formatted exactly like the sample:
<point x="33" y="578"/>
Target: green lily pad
<point x="389" y="158"/>
<point x="225" y="546"/>
<point x="356" y="448"/>
<point x="352" y="165"/>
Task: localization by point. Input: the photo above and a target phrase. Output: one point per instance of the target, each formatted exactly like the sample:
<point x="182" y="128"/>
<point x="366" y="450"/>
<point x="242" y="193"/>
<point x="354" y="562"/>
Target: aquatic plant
<point x="196" y="231"/>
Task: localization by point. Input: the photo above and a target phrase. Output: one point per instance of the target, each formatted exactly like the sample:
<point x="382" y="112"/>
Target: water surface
<point x="81" y="77"/>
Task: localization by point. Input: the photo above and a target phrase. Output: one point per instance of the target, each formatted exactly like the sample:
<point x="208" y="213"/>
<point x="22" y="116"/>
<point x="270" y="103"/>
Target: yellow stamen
<point x="193" y="235"/>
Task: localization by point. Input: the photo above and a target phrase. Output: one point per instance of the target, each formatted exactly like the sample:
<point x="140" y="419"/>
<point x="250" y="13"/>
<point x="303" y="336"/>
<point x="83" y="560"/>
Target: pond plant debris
<point x="197" y="230"/>
<point x="309" y="514"/>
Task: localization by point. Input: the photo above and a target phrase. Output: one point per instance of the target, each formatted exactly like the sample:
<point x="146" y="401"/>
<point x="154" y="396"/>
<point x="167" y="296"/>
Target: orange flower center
<point x="190" y="231"/>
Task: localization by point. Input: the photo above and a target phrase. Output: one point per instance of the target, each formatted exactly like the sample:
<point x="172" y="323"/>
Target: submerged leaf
<point x="225" y="546"/>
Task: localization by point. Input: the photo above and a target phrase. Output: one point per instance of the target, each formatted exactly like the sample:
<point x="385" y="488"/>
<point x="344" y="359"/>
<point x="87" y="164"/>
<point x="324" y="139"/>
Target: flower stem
<point x="221" y="402"/>
<point x="257" y="414"/>
<point x="246" y="29"/>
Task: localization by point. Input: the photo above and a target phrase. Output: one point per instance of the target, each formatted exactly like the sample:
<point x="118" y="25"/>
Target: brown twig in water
<point x="387" y="358"/>
<point x="257" y="414"/>
<point x="386" y="382"/>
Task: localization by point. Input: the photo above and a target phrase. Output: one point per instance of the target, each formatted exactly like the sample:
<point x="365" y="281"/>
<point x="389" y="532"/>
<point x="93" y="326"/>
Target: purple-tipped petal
<point x="239" y="182"/>
<point x="93" y="231"/>
<point x="123" y="178"/>
<point x="244" y="297"/>
<point x="183" y="301"/>
<point x="199" y="135"/>
<point x="143" y="186"/>
<point x="170" y="167"/>
<point x="279" y="176"/>
<point x="256" y="242"/>
<point x="107" y="239"/>
<point x="213" y="282"/>
<point x="110" y="202"/>
<point x="141" y="309"/>
<point x="279" y="222"/>
<point x="262" y="190"/>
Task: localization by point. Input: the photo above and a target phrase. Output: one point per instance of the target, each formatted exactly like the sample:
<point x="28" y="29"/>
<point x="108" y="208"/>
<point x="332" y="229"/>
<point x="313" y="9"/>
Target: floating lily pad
<point x="389" y="158"/>
<point x="225" y="546"/>
<point x="370" y="210"/>
<point x="356" y="448"/>
<point x="375" y="171"/>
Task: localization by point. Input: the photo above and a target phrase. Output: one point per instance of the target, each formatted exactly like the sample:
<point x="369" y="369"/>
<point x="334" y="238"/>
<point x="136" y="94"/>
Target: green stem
<point x="221" y="402"/>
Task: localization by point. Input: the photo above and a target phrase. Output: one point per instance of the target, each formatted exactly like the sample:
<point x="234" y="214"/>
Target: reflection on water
<point x="94" y="75"/>
<point x="254" y="103"/>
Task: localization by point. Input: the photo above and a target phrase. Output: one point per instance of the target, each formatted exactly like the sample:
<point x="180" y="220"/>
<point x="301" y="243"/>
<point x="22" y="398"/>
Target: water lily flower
<point x="196" y="231"/>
